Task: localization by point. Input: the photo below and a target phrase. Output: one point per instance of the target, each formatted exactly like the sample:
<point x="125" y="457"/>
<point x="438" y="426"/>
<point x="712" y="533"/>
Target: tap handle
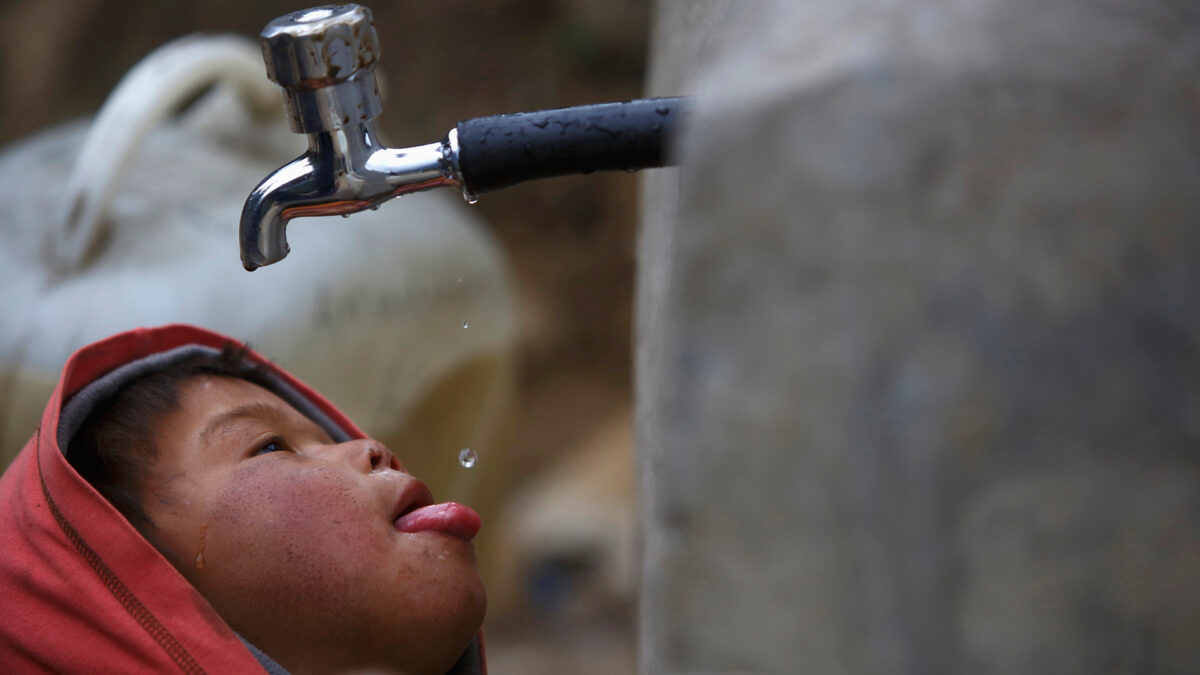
<point x="324" y="58"/>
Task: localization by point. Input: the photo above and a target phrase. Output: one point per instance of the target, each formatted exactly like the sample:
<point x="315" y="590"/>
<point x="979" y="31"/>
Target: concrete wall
<point x="918" y="339"/>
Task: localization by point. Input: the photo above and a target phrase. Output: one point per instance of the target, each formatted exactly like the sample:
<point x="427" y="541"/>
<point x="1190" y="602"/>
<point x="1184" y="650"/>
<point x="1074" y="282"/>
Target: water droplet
<point x="471" y="197"/>
<point x="662" y="110"/>
<point x="200" y="560"/>
<point x="345" y="215"/>
<point x="467" y="458"/>
<point x="374" y="207"/>
<point x="472" y="200"/>
<point x="460" y="280"/>
<point x="466" y="324"/>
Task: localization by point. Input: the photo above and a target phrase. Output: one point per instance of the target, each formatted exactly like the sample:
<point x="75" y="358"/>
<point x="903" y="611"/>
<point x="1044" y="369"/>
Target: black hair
<point x="115" y="450"/>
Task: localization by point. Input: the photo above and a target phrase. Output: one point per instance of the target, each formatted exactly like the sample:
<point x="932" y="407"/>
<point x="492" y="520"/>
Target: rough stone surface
<point x="918" y="340"/>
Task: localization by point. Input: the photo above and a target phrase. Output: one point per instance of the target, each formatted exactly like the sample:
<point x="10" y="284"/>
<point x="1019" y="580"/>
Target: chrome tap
<point x="325" y="58"/>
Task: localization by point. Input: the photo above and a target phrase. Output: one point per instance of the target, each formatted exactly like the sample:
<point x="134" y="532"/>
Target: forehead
<point x="205" y="397"/>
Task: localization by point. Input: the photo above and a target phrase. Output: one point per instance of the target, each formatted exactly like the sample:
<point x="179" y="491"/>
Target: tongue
<point x="449" y="518"/>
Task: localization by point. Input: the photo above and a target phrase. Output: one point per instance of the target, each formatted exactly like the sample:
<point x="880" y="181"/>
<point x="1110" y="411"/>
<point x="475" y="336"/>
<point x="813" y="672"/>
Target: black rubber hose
<point x="502" y="150"/>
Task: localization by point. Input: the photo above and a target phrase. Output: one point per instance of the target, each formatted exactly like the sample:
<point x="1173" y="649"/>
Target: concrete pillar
<point x="918" y="340"/>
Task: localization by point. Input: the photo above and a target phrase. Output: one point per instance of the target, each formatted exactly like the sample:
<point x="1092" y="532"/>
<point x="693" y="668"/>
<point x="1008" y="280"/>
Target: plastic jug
<point x="131" y="219"/>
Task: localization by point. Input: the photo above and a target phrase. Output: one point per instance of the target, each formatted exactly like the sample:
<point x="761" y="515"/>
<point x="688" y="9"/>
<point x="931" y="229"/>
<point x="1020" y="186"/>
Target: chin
<point x="474" y="608"/>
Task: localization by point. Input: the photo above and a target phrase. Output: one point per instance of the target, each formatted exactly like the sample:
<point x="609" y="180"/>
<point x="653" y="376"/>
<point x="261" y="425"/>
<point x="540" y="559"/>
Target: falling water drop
<point x="467" y="458"/>
<point x="200" y="560"/>
<point x="466" y="324"/>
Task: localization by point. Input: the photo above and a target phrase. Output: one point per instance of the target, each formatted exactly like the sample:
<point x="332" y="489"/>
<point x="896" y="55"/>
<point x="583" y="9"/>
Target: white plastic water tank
<point x="131" y="219"/>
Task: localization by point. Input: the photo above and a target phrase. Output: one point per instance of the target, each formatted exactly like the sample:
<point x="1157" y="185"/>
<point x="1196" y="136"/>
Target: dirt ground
<point x="570" y="241"/>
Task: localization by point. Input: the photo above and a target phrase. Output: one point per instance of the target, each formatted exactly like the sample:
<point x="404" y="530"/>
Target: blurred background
<point x="916" y="357"/>
<point x="568" y="246"/>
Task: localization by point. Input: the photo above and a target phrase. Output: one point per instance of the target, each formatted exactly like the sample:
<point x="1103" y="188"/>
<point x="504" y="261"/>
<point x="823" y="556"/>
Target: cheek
<point x="302" y="531"/>
<point x="304" y="547"/>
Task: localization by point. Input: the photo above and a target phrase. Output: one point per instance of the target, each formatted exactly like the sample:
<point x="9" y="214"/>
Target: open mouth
<point x="415" y="496"/>
<point x="416" y="512"/>
<point x="449" y="518"/>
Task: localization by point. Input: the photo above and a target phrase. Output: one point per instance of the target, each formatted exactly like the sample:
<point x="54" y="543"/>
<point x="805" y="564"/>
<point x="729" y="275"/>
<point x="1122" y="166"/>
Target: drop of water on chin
<point x="200" y="560"/>
<point x="467" y="458"/>
<point x="466" y="324"/>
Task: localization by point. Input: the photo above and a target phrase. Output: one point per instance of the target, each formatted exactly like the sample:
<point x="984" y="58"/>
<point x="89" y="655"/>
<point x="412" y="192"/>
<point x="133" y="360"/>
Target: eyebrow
<point x="255" y="411"/>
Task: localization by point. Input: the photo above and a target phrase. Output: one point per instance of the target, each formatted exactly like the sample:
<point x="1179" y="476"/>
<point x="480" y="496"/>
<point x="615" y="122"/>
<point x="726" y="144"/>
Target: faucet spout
<point x="344" y="171"/>
<point x="263" y="227"/>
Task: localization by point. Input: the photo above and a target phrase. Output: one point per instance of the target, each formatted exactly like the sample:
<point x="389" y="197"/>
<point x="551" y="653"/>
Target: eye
<point x="272" y="445"/>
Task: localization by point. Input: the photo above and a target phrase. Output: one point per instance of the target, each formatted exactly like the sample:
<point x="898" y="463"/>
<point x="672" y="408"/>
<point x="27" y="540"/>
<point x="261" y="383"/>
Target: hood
<point x="79" y="585"/>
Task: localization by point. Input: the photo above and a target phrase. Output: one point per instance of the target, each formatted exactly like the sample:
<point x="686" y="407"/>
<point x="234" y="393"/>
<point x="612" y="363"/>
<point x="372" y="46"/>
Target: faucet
<point x="325" y="58"/>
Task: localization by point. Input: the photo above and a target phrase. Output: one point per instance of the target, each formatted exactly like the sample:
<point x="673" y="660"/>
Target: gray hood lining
<point x="85" y="400"/>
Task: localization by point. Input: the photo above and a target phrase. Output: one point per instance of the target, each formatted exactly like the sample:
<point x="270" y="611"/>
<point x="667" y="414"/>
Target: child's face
<point x="291" y="538"/>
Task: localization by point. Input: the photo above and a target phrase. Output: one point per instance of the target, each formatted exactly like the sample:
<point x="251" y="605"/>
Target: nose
<point x="366" y="455"/>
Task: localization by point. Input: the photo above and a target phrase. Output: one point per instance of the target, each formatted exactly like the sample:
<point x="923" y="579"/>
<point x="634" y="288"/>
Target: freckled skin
<point x="300" y="554"/>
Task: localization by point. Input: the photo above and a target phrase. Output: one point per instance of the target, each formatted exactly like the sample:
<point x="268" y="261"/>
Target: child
<point x="187" y="506"/>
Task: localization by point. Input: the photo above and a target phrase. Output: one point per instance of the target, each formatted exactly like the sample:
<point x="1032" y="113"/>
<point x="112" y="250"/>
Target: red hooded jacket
<point x="81" y="590"/>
